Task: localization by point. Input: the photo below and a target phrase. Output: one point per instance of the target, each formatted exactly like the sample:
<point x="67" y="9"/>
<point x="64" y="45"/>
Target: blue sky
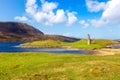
<point x="74" y="18"/>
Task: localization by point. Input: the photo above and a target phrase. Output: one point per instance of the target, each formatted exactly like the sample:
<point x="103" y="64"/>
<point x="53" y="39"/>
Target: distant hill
<point x="59" y="37"/>
<point x="118" y="40"/>
<point x="16" y="31"/>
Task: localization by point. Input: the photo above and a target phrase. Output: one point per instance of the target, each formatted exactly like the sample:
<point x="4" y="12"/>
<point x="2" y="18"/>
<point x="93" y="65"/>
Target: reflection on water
<point x="9" y="47"/>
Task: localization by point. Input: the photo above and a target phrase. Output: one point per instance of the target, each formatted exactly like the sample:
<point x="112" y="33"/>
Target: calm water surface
<point x="10" y="47"/>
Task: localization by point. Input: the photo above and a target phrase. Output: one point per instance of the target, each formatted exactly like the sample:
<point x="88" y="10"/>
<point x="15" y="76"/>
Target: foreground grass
<point x="82" y="44"/>
<point x="44" y="66"/>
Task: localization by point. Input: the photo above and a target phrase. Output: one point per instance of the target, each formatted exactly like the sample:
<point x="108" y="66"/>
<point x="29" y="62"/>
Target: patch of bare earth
<point x="107" y="51"/>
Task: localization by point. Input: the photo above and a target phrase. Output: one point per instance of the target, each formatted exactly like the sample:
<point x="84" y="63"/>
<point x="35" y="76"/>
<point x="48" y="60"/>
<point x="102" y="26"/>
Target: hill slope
<point x="16" y="31"/>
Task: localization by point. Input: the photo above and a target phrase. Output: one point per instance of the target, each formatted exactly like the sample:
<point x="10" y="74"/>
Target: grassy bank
<point x="82" y="44"/>
<point x="44" y="66"/>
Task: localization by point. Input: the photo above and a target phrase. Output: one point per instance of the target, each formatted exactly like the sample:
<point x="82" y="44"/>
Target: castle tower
<point x="88" y="39"/>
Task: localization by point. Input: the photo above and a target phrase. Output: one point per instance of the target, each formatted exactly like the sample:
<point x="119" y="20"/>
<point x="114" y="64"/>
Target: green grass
<point x="44" y="66"/>
<point x="45" y="43"/>
<point x="82" y="44"/>
<point x="100" y="43"/>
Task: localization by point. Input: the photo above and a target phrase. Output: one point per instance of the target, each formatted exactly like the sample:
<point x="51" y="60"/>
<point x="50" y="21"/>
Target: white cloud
<point x="69" y="34"/>
<point x="48" y="13"/>
<point x="50" y="17"/>
<point x="23" y="18"/>
<point x="48" y="6"/>
<point x="95" y="6"/>
<point x="71" y="18"/>
<point x="112" y="14"/>
<point x="84" y="23"/>
<point x="31" y="7"/>
<point x="45" y="14"/>
<point x="98" y="23"/>
<point x="59" y="17"/>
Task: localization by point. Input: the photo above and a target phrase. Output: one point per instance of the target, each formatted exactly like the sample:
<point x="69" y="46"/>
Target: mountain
<point x="16" y="31"/>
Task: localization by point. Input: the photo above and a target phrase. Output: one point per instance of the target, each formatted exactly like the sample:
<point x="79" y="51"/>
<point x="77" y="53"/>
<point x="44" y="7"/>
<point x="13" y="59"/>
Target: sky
<point x="73" y="18"/>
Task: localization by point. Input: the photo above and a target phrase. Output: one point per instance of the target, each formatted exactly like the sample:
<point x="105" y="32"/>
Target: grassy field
<point x="82" y="44"/>
<point x="46" y="66"/>
<point x="45" y="43"/>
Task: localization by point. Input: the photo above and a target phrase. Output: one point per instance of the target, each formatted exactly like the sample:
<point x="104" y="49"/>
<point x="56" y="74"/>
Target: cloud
<point x="23" y="18"/>
<point x="110" y="13"/>
<point x="50" y="18"/>
<point x="31" y="7"/>
<point x="45" y="14"/>
<point x="71" y="18"/>
<point x="95" y="6"/>
<point x="49" y="6"/>
<point x="98" y="23"/>
<point x="84" y="23"/>
<point x="69" y="34"/>
<point x="48" y="13"/>
<point x="59" y="17"/>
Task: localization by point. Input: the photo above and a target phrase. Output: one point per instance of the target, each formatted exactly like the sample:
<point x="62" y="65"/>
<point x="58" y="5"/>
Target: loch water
<point x="10" y="47"/>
